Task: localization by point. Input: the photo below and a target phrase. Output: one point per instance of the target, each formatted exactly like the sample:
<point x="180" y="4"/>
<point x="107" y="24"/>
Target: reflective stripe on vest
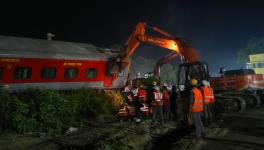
<point x="144" y="108"/>
<point x="122" y="111"/>
<point x="198" y="101"/>
<point x="213" y="98"/>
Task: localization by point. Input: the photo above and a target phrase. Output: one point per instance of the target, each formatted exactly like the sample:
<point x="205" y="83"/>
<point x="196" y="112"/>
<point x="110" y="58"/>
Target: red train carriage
<point x="44" y="64"/>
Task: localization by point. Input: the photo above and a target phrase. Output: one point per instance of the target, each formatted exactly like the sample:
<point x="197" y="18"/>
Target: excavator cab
<point x="188" y="71"/>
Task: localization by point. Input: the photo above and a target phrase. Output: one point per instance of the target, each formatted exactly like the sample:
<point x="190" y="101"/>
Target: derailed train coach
<point x="48" y="64"/>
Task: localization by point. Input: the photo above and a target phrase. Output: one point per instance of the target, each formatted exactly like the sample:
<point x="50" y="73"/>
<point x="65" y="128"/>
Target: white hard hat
<point x="164" y="84"/>
<point x="157" y="88"/>
<point x="204" y="82"/>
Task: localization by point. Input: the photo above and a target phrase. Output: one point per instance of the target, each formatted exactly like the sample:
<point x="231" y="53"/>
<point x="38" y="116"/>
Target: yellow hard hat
<point x="194" y="82"/>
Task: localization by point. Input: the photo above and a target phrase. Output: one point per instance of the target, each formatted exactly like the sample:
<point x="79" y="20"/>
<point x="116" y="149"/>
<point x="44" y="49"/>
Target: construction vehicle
<point x="235" y="99"/>
<point x="235" y="90"/>
<point x="242" y="85"/>
<point x="168" y="41"/>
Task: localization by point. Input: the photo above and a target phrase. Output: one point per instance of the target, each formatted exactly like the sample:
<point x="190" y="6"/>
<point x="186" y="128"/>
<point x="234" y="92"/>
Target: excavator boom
<point x="162" y="61"/>
<point x="139" y="36"/>
<point x="168" y="41"/>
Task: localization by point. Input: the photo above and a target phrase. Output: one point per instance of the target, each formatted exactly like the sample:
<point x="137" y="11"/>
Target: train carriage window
<point x="22" y="72"/>
<point x="1" y="72"/>
<point x="48" y="73"/>
<point x="70" y="73"/>
<point x="91" y="73"/>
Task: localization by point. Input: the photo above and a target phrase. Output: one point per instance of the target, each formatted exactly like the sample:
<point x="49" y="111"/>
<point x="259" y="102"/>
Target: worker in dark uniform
<point x="196" y="108"/>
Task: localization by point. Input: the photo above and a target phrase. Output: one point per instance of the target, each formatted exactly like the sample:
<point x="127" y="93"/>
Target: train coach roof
<point x="40" y="48"/>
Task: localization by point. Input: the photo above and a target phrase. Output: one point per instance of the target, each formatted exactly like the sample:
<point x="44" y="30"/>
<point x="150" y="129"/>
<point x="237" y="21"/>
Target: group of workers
<point x="201" y="106"/>
<point x="156" y="101"/>
<point x="160" y="102"/>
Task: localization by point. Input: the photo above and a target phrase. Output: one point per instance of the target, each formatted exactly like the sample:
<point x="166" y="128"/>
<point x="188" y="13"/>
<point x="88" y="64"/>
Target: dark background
<point x="216" y="28"/>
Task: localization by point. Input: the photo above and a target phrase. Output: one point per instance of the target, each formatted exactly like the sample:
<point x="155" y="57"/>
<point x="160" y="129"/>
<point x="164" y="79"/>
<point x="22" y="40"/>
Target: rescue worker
<point x="150" y="95"/>
<point x="145" y="110"/>
<point x="136" y="103"/>
<point x="128" y="95"/>
<point x="212" y="103"/>
<point x="207" y="97"/>
<point x="123" y="112"/>
<point x="157" y="109"/>
<point x="142" y="95"/>
<point x="196" y="108"/>
<point x="127" y="110"/>
<point x="166" y="103"/>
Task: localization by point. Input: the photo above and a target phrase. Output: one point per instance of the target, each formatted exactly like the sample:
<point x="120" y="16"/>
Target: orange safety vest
<point x="212" y="93"/>
<point x="198" y="101"/>
<point x="208" y="95"/>
<point x="142" y="93"/>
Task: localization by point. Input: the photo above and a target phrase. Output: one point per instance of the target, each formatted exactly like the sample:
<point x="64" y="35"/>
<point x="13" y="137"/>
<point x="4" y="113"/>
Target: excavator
<point x="241" y="85"/>
<point x="178" y="47"/>
<point x="189" y="68"/>
<point x="168" y="41"/>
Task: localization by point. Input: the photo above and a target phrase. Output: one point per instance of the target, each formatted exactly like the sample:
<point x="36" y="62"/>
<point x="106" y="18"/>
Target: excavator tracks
<point x="236" y="101"/>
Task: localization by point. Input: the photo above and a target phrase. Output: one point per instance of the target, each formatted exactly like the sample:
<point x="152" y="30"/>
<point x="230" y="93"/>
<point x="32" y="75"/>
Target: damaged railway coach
<point x="47" y="64"/>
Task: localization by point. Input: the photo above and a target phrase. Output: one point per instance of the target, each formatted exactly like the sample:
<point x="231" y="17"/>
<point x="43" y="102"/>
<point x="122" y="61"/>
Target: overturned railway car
<point x="44" y="64"/>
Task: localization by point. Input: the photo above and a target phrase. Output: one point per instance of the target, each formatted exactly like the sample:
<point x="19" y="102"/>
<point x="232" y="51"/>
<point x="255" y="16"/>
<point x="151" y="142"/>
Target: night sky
<point x="216" y="28"/>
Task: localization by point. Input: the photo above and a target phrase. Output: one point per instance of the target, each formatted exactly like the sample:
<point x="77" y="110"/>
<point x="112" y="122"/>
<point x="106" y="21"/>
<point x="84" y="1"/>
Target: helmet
<point x="164" y="84"/>
<point x="154" y="82"/>
<point x="157" y="88"/>
<point x="194" y="82"/>
<point x="204" y="82"/>
<point x="208" y="83"/>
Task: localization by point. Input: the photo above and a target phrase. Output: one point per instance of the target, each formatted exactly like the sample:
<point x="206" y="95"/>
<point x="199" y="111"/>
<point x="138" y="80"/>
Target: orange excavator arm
<point x="139" y="36"/>
<point x="162" y="61"/>
<point x="177" y="45"/>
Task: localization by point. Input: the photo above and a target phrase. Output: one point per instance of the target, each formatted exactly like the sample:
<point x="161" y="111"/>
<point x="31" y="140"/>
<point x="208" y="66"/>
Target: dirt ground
<point x="234" y="131"/>
<point x="237" y="131"/>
